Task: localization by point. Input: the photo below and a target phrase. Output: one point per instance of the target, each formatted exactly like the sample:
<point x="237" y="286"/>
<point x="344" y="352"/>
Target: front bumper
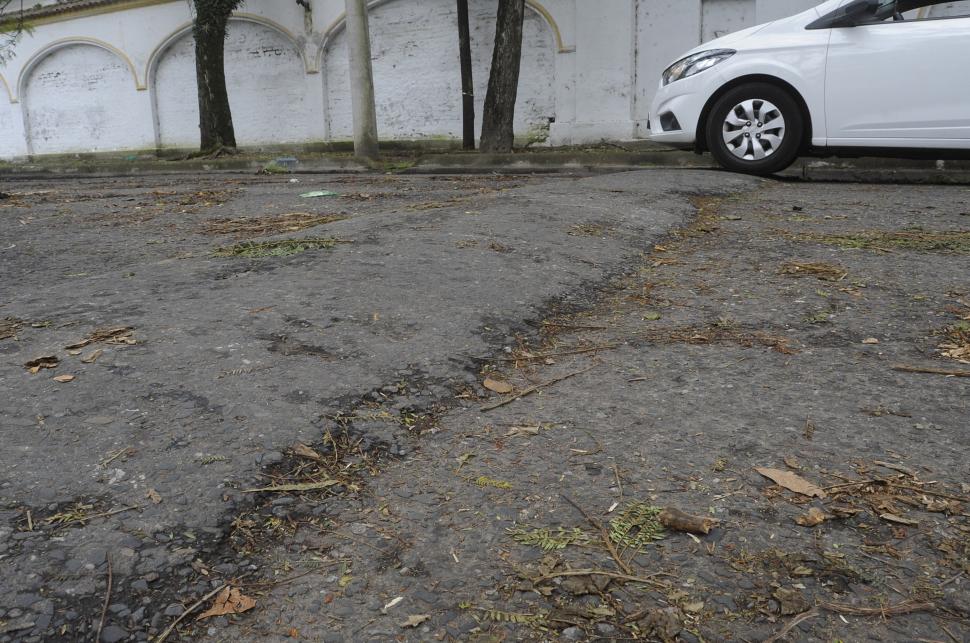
<point x="677" y="108"/>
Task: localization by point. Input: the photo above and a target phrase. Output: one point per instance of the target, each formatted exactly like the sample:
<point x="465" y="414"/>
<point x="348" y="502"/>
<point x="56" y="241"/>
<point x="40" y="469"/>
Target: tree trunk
<point x="215" y="116"/>
<point x="503" y="81"/>
<point x="467" y="80"/>
<point x="361" y="80"/>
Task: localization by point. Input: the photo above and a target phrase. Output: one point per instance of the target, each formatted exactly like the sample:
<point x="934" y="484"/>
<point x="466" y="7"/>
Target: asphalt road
<point x="369" y="340"/>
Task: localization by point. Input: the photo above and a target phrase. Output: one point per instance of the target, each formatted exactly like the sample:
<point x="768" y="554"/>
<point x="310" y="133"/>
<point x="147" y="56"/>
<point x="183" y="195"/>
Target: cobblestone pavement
<point x="668" y="332"/>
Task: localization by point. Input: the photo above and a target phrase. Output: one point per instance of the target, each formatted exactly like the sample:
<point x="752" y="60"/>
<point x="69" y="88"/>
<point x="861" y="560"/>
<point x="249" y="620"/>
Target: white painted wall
<point x="414" y="46"/>
<point x="67" y="107"/>
<point x="268" y="89"/>
<point x="593" y="66"/>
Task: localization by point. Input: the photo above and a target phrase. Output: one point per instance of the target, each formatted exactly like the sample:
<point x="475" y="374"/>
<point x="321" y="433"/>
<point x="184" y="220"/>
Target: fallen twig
<point x="604" y="535"/>
<point x="575" y="326"/>
<point x="577" y="351"/>
<point x="928" y="492"/>
<point x="792" y="624"/>
<point x="907" y="607"/>
<point x="932" y="371"/>
<point x="598" y="572"/>
<point x="533" y="389"/>
<point x="192" y="608"/>
<point x="107" y="599"/>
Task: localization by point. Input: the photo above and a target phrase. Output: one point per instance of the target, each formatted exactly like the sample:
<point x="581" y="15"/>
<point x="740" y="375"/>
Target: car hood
<point x="733" y="40"/>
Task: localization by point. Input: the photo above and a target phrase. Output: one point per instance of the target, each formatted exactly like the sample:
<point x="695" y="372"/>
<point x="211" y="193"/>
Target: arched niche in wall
<point x="82" y="96"/>
<point x="417" y="81"/>
<point x="265" y="77"/>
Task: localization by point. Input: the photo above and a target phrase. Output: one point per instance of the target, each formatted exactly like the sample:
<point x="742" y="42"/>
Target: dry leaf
<point x="498" y="386"/>
<point x="304" y="451"/>
<point x="229" y="601"/>
<point x="393" y="603"/>
<point x="63" y="379"/>
<point x="791" y="482"/>
<point x="792" y="463"/>
<point x="815" y="516"/>
<point x="92" y="357"/>
<point x="48" y="361"/>
<point x="898" y="519"/>
<point x="516" y="431"/>
<point x="694" y="607"/>
<point x="415" y="619"/>
<point x="870" y="340"/>
<point x="154" y="496"/>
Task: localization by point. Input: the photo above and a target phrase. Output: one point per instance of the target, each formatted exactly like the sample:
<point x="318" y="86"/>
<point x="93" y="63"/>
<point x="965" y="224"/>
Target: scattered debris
<point x="532" y="389"/>
<point x="267" y="226"/>
<point x="153" y="496"/>
<point x="392" y="604"/>
<point x="63" y="379"/>
<point x="677" y="520"/>
<point x="283" y="248"/>
<point x="9" y="327"/>
<point x="821" y="271"/>
<point x="792" y="482"/>
<point x="956" y="343"/>
<point x="306" y="486"/>
<point x="118" y="335"/>
<point x="48" y="361"/>
<point x="950" y="241"/>
<point x="316" y="194"/>
<point x="547" y="540"/>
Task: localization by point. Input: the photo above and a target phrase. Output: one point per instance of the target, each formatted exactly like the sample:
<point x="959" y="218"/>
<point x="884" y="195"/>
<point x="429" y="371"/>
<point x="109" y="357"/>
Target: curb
<point x="639" y="156"/>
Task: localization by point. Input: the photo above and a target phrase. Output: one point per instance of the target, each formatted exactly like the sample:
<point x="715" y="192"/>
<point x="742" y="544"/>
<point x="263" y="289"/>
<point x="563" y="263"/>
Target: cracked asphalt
<point x="710" y="324"/>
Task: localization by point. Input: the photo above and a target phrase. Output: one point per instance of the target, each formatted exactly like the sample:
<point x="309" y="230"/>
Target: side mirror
<point x="850" y="15"/>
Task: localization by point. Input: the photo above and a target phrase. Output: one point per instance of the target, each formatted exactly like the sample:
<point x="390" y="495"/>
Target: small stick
<point x="533" y="389"/>
<point x="578" y="351"/>
<point x="30" y="521"/>
<point x="928" y="492"/>
<point x="575" y="326"/>
<point x="195" y="606"/>
<point x="932" y="371"/>
<point x="603" y="535"/>
<point x="894" y="610"/>
<point x="619" y="483"/>
<point x="107" y="599"/>
<point x="792" y="624"/>
<point x="598" y="572"/>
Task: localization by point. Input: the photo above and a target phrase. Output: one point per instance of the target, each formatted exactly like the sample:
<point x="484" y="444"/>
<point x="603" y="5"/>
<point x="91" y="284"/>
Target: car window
<point x="924" y="10"/>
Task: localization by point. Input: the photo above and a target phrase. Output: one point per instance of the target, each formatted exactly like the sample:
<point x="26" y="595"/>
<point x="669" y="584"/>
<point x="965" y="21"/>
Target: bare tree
<point x="467" y="80"/>
<point x="12" y="27"/>
<point x="503" y="80"/>
<point x="215" y="117"/>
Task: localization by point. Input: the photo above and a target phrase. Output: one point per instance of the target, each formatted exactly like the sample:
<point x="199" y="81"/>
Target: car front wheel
<point x="755" y="128"/>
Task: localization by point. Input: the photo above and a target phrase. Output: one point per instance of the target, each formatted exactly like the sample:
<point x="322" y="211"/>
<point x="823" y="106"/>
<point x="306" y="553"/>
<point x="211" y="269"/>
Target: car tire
<point x="756" y="128"/>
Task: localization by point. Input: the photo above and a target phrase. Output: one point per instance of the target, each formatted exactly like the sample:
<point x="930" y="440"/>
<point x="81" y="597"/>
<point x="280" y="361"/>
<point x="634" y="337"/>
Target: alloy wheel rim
<point x="753" y="130"/>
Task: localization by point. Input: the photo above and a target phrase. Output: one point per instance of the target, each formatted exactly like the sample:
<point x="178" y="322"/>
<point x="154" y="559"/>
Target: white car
<point x="849" y="77"/>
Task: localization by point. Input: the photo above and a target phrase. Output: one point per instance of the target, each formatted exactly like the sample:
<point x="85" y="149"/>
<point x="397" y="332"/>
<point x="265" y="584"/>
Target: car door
<point x="902" y="83"/>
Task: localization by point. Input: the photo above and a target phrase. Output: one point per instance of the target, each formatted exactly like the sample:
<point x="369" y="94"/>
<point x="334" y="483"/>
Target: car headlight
<point x="695" y="64"/>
